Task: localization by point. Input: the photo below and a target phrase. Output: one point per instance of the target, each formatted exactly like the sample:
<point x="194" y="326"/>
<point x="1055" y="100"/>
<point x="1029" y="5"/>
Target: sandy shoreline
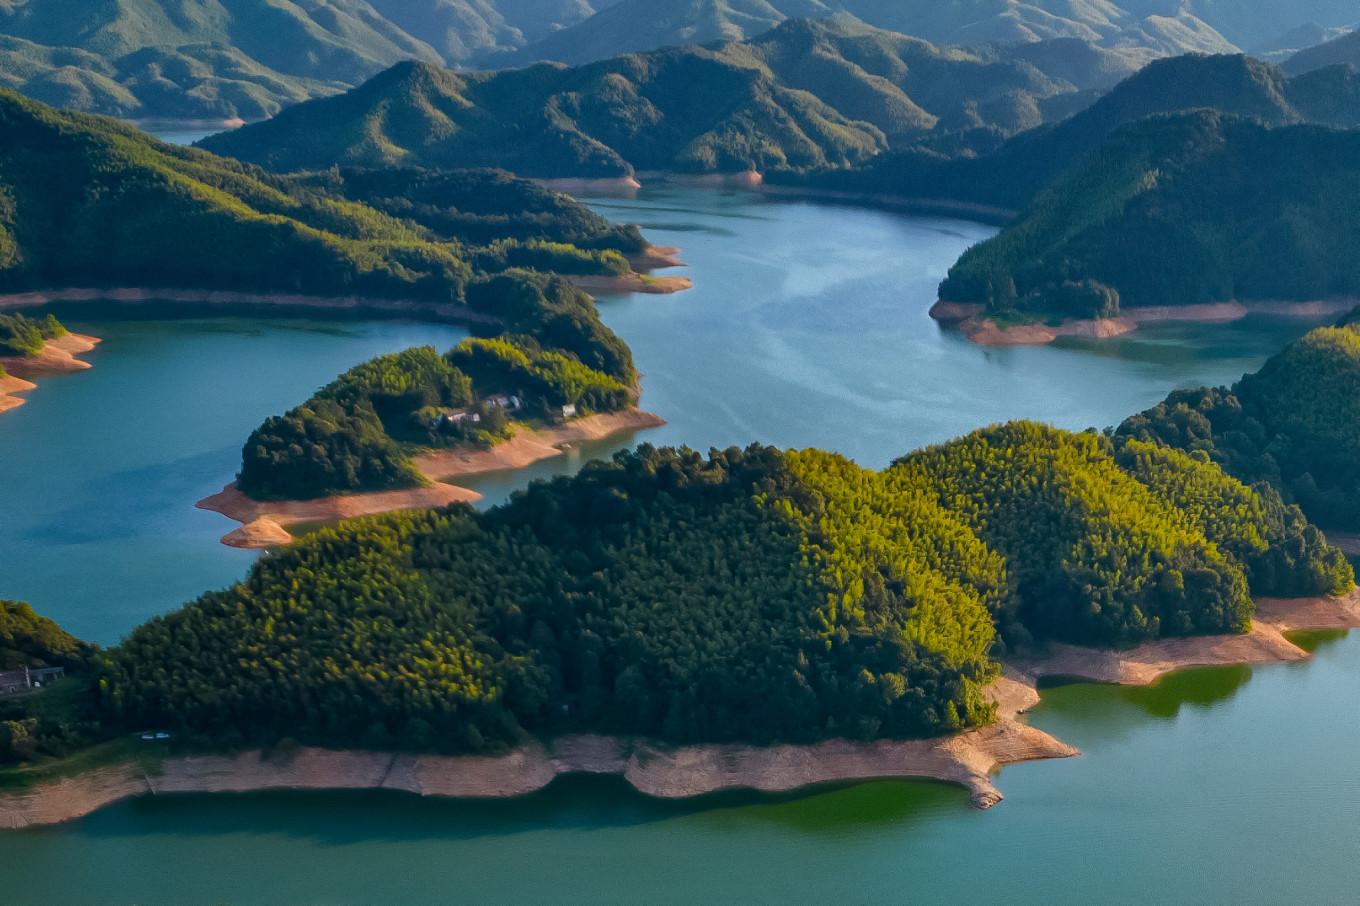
<point x="599" y="284"/>
<point x="970" y="320"/>
<point x="969" y="759"/>
<point x="57" y="357"/>
<point x="263" y="521"/>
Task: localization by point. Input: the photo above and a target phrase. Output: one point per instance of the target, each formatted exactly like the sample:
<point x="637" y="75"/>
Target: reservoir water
<point x="807" y="327"/>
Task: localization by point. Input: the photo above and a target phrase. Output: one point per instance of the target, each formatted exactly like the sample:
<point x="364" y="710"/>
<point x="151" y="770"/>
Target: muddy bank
<point x="970" y="319"/>
<point x="443" y="311"/>
<point x="263" y="521"/>
<point x="969" y="759"/>
<point x="57" y="357"/>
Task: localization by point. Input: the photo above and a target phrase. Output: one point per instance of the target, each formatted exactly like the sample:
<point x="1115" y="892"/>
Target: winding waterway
<point x="807" y="327"/>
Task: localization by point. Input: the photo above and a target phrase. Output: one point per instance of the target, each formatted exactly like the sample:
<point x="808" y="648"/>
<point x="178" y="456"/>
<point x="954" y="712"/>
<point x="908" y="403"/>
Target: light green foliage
<point x="1097" y="557"/>
<point x="23" y="336"/>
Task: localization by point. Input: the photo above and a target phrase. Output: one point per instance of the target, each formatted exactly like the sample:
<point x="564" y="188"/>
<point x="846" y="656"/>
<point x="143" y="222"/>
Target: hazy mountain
<point x="808" y="94"/>
<point x="1343" y="50"/>
<point x="1011" y="175"/>
<point x="638" y="25"/>
<point x="248" y="58"/>
<point x="1295" y="40"/>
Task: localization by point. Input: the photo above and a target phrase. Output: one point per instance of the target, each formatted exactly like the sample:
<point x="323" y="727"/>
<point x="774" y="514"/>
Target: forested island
<point x="753" y="596"/>
<point x="554" y="362"/>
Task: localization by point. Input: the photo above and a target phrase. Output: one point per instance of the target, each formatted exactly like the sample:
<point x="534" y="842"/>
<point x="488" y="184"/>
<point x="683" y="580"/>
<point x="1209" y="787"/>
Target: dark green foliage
<point x="23" y="336"/>
<point x="736" y="597"/>
<point x="1224" y="209"/>
<point x="1294" y="424"/>
<point x="55" y="720"/>
<point x="751" y="595"/>
<point x="86" y="201"/>
<point x="322" y="448"/>
<point x="356" y="433"/>
<point x="477" y="206"/>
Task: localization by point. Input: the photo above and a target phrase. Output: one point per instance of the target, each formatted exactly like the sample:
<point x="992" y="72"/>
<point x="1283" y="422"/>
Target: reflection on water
<point x="1200" y="686"/>
<point x="1314" y="640"/>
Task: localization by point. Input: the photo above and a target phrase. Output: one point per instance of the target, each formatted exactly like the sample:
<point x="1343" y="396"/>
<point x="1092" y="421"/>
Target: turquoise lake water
<point x="807" y="327"/>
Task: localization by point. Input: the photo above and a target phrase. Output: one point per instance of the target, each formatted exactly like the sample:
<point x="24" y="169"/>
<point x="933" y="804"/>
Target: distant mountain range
<point x="1016" y="171"/>
<point x="245" y="58"/>
<point x="249" y="58"/>
<point x="1344" y="49"/>
<point x="806" y="95"/>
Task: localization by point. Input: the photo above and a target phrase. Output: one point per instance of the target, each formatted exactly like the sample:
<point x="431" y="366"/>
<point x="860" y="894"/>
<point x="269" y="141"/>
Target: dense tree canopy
<point x="1227" y="209"/>
<point x="752" y="594"/>
<point x="1295" y="424"/>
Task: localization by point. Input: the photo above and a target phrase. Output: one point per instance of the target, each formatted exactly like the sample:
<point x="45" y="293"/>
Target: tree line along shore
<point x="759" y="596"/>
<point x="749" y="597"/>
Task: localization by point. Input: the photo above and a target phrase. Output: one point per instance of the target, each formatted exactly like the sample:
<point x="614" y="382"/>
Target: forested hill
<point x="245" y="58"/>
<point x="1295" y="424"/>
<point x="1179" y="210"/>
<point x="753" y="595"/>
<point x="826" y="94"/>
<point x="88" y="202"/>
<point x="1012" y="174"/>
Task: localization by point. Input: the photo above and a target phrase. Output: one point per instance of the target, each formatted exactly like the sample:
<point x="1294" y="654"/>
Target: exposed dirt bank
<point x="600" y="284"/>
<point x="969" y="759"/>
<point x="970" y="319"/>
<point x="57" y="357"/>
<point x="1264" y="644"/>
<point x="263" y="521"/>
<point x="656" y="257"/>
<point x="610" y="184"/>
<point x="444" y="311"/>
<point x="530" y="446"/>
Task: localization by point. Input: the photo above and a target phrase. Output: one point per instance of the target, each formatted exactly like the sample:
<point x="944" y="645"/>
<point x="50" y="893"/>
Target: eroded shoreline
<point x="969" y="759"/>
<point x="58" y="356"/>
<point x="263" y="523"/>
